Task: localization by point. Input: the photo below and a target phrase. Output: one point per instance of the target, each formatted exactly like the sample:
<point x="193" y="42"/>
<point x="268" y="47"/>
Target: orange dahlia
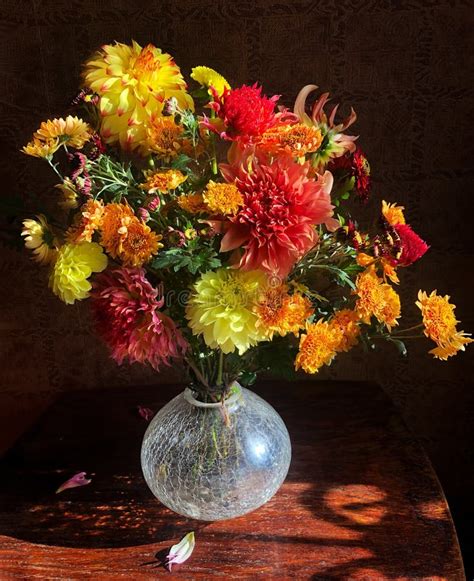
<point x="133" y="84"/>
<point x="282" y="313"/>
<point x="318" y="346"/>
<point x="126" y="237"/>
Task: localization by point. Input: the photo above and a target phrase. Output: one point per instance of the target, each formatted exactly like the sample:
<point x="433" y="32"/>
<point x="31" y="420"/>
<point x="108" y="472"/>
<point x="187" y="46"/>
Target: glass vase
<point x="211" y="461"/>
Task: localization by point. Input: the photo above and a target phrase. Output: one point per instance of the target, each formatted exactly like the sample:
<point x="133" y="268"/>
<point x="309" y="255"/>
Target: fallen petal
<point x="78" y="479"/>
<point x="146" y="413"/>
<point x="182" y="551"/>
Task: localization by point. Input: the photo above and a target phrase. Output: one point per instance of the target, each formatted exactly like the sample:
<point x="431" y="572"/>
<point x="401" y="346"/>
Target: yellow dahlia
<point x="296" y="140"/>
<point x="163" y="181"/>
<point x="42" y="149"/>
<point x="318" y="346"/>
<point x="282" y="313"/>
<point x="221" y="309"/>
<point x="86" y="223"/>
<point x="440" y="324"/>
<point x="376" y="298"/>
<point x="347" y="322"/>
<point x="223" y="198"/>
<point x="393" y="213"/>
<point x="69" y="195"/>
<point x="192" y="203"/>
<point x="207" y="77"/>
<point x="74" y="265"/>
<point x="126" y="237"/>
<point x="133" y="84"/>
<point x="39" y="239"/>
<point x="71" y="131"/>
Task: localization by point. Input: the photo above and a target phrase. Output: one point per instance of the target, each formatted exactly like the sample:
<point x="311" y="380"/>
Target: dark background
<point x="405" y="68"/>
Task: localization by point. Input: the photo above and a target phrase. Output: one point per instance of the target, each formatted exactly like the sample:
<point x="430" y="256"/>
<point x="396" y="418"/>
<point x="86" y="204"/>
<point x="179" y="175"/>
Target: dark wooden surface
<point x="361" y="500"/>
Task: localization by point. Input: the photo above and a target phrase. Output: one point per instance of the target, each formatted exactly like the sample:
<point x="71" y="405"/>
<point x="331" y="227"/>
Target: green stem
<point x="199" y="375"/>
<point x="408" y="329"/>
<point x="220" y="369"/>
<point x="53" y="166"/>
<point x="214" y="168"/>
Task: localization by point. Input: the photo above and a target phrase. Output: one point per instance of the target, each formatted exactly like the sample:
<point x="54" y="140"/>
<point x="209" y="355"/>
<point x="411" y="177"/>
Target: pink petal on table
<point x="182" y="551"/>
<point x="146" y="413"/>
<point x="78" y="479"/>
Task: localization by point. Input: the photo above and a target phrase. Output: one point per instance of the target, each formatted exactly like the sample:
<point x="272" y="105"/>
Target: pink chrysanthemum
<point x="412" y="246"/>
<point x="126" y="310"/>
<point x="246" y="113"/>
<point x="281" y="206"/>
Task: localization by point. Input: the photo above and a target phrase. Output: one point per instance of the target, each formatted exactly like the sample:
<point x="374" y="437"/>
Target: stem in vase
<point x="220" y="369"/>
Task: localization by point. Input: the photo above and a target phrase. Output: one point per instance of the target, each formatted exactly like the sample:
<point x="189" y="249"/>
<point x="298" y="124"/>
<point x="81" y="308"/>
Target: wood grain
<point x="361" y="500"/>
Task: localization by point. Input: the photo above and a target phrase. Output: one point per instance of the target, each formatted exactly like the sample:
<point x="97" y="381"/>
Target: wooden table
<point x="361" y="500"/>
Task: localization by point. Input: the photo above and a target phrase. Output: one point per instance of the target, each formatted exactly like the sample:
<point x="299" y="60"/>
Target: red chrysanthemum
<point x="246" y="113"/>
<point x="412" y="246"/>
<point x="281" y="206"/>
<point x="126" y="311"/>
<point x="361" y="169"/>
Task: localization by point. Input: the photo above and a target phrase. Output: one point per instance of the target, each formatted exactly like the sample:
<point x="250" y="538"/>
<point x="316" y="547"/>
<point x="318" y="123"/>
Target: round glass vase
<point x="211" y="461"/>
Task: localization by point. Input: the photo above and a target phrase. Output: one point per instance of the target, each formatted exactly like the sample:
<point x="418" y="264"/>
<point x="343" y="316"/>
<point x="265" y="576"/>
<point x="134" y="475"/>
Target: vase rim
<point x="233" y="397"/>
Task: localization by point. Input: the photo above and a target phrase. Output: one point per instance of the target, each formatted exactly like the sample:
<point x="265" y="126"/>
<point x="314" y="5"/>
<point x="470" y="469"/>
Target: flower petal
<point x="182" y="551"/>
<point x="78" y="479"/>
<point x="146" y="413"/>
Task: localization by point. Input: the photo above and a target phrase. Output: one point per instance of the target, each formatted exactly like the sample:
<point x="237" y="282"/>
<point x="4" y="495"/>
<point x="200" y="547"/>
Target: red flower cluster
<point x="412" y="246"/>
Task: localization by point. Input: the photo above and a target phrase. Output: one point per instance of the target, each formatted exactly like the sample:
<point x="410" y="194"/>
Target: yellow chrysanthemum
<point x="163" y="181"/>
<point x="192" y="203"/>
<point x="221" y="309"/>
<point x="393" y="213"/>
<point x="39" y="239"/>
<point x="69" y="195"/>
<point x="133" y="84"/>
<point x="126" y="237"/>
<point x="282" y="313"/>
<point x="41" y="149"/>
<point x="347" y="322"/>
<point x="440" y="324"/>
<point x="74" y="265"/>
<point x="207" y="77"/>
<point x="222" y="198"/>
<point x="72" y="131"/>
<point x="377" y="299"/>
<point x="86" y="223"/>
<point x="296" y="140"/>
<point x="317" y="346"/>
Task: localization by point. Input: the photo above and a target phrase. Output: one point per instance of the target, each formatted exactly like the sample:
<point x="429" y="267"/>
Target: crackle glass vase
<point x="212" y="462"/>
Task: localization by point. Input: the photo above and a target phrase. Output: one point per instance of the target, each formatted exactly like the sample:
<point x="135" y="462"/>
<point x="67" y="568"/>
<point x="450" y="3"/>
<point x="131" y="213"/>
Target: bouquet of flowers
<point x="212" y="226"/>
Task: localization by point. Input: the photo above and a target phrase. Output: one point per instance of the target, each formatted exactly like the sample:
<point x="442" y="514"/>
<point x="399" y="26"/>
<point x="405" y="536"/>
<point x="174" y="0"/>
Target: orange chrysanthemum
<point x="223" y="198"/>
<point x="393" y="213"/>
<point x="72" y="131"/>
<point x="440" y="324"/>
<point x="166" y="138"/>
<point x="126" y="237"/>
<point x="42" y="149"/>
<point x="296" y="140"/>
<point x="86" y="222"/>
<point x="347" y="322"/>
<point x="318" y="346"/>
<point x="377" y="299"/>
<point x="282" y="313"/>
<point x="192" y="203"/>
<point x="163" y="181"/>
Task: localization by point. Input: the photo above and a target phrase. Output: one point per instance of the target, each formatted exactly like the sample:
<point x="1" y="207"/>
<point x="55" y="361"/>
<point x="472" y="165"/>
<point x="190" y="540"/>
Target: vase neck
<point x="234" y="394"/>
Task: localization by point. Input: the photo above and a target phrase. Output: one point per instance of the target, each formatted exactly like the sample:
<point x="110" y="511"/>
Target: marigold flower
<point x="376" y="298"/>
<point x="74" y="265"/>
<point x="282" y="313"/>
<point x="163" y="181"/>
<point x="393" y="213"/>
<point x="296" y="140"/>
<point x="192" y="203"/>
<point x="222" y="309"/>
<point x="40" y="239"/>
<point x="317" y="346"/>
<point x="222" y="198"/>
<point x="126" y="310"/>
<point x="86" y="222"/>
<point x="71" y="131"/>
<point x="440" y="324"/>
<point x="127" y="238"/>
<point x="165" y="138"/>
<point x="348" y="323"/>
<point x="42" y="149"/>
<point x="207" y="77"/>
<point x="133" y="84"/>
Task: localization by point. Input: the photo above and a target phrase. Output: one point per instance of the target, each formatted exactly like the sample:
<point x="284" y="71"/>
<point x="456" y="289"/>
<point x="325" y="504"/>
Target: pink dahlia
<point x="281" y="206"/>
<point x="126" y="311"/>
<point x="412" y="246"/>
<point x="245" y="113"/>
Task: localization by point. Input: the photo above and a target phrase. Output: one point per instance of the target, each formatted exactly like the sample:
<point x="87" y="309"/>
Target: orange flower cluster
<point x="318" y="346"/>
<point x="296" y="140"/>
<point x="282" y="313"/>
<point x="377" y="299"/>
<point x="192" y="203"/>
<point x="87" y="222"/>
<point x="163" y="181"/>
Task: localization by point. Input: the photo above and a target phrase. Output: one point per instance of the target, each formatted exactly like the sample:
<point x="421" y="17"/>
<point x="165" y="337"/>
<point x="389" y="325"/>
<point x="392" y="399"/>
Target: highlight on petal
<point x="146" y="413"/>
<point x="78" y="479"/>
<point x="182" y="551"/>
